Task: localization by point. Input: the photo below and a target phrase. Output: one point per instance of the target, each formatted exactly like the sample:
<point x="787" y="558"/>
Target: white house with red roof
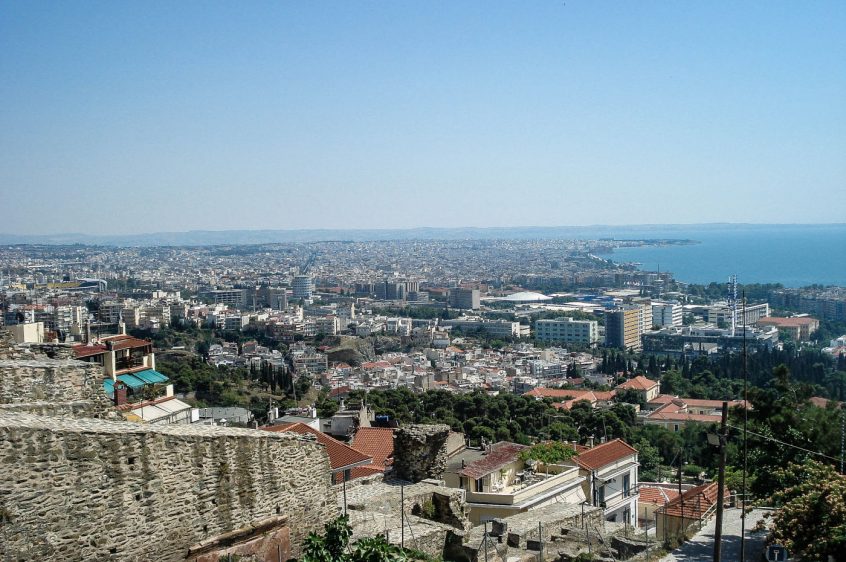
<point x="498" y="483"/>
<point x="674" y="413"/>
<point x="648" y="388"/>
<point x="610" y="479"/>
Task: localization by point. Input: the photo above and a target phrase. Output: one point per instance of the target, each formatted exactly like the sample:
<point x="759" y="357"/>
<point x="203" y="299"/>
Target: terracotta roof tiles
<point x="501" y="454"/>
<point x="604" y="454"/>
<point x="341" y="455"/>
<point x="378" y="442"/>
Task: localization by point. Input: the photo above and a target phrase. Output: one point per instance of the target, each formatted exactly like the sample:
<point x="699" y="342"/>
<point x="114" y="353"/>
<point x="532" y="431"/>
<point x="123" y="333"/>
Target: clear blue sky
<point x="150" y="116"/>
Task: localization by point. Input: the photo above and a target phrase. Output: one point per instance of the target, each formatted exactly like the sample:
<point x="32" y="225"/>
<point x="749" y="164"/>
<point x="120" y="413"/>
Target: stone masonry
<point x="84" y="489"/>
<point x="47" y="378"/>
<point x="420" y="452"/>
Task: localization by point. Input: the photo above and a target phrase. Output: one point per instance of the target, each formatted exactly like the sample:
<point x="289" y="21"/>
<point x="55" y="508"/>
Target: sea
<point x="793" y="255"/>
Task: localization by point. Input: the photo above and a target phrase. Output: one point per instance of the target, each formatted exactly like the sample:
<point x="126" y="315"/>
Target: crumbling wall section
<point x="83" y="489"/>
<point x="420" y="452"/>
<point x="45" y="379"/>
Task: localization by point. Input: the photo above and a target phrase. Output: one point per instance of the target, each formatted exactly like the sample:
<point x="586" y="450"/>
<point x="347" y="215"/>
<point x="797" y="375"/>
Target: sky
<point x="129" y="117"/>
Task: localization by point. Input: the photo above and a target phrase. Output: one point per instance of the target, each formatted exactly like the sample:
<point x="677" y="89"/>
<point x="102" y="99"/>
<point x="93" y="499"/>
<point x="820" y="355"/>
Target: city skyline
<point x="118" y="118"/>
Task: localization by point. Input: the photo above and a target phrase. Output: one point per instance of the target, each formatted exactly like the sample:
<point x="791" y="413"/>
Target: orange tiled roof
<point x="501" y="454"/>
<point x="604" y="454"/>
<point x="378" y="442"/>
<point x="694" y="503"/>
<point x="787" y="322"/>
<point x="638" y="383"/>
<point x="341" y="455"/>
<point x="657" y="495"/>
<point x="541" y="392"/>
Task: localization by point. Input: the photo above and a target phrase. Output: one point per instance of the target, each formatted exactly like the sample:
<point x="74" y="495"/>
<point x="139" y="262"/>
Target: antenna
<point x="732" y="304"/>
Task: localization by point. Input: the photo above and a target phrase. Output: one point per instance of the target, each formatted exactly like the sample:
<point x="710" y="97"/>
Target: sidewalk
<point x="701" y="547"/>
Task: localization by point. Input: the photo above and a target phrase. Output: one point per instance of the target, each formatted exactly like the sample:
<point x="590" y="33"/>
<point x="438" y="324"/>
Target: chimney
<point x="590" y="442"/>
<point x="120" y="393"/>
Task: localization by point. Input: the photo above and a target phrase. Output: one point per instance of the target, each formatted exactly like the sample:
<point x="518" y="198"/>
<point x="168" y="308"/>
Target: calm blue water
<point x="794" y="255"/>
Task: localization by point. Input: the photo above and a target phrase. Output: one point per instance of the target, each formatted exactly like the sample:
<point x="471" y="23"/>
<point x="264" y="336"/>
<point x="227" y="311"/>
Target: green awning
<point x="109" y="388"/>
<point x="132" y="381"/>
<point x="150" y="376"/>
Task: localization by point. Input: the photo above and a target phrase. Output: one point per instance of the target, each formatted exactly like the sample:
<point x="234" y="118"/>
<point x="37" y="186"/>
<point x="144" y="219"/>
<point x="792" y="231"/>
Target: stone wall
<point x="420" y="452"/>
<point x="48" y="378"/>
<point x="83" y="489"/>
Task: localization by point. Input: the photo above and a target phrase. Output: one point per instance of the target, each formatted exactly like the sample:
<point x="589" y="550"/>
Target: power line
<point x="773" y="439"/>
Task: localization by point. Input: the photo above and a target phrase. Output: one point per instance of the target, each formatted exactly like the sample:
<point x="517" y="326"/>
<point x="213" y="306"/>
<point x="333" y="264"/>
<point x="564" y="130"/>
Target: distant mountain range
<point x="218" y="237"/>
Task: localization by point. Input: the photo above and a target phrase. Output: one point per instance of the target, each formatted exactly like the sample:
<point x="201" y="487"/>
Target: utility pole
<point x="721" y="485"/>
<point x="745" y="424"/>
<point x="402" y="516"/>
<point x="681" y="500"/>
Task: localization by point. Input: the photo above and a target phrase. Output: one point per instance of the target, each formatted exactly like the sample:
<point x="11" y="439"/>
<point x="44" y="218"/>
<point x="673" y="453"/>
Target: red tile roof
<point x="117" y="342"/>
<point x="657" y="495"/>
<point x="85" y="350"/>
<point x="541" y="392"/>
<point x="693" y="503"/>
<point x="638" y="383"/>
<point x="377" y="442"/>
<point x="787" y="322"/>
<point x="501" y="454"/>
<point x="341" y="455"/>
<point x="604" y="454"/>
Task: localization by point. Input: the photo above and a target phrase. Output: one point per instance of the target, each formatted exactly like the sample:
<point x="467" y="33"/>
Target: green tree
<point x="810" y="519"/>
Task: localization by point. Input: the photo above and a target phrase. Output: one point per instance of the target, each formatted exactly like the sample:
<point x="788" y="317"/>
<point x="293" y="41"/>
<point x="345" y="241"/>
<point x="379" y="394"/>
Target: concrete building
<point x="798" y="328"/>
<point x="234" y="297"/>
<point x="611" y="480"/>
<point x="667" y="314"/>
<point x="720" y="314"/>
<point x="623" y="327"/>
<point x="497" y="483"/>
<point x="567" y="330"/>
<point x="468" y="299"/>
<point x="303" y="287"/>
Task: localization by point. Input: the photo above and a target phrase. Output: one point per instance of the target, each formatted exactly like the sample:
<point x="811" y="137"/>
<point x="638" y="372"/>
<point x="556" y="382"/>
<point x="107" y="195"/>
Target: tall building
<point x="303" y="287"/>
<point x="464" y="298"/>
<point x="667" y="314"/>
<point x="567" y="330"/>
<point x="623" y="327"/>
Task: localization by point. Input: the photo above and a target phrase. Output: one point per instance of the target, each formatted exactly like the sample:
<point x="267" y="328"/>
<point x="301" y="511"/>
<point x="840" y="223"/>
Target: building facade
<point x="623" y="327"/>
<point x="567" y="330"/>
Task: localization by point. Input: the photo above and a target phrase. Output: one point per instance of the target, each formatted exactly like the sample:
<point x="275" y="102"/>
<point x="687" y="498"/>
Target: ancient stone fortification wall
<point x="420" y="452"/>
<point x="81" y="489"/>
<point x="48" y="378"/>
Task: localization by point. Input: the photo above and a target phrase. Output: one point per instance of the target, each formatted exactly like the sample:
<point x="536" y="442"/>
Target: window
<point x="675" y="427"/>
<point x="480" y="485"/>
<point x="626" y="485"/>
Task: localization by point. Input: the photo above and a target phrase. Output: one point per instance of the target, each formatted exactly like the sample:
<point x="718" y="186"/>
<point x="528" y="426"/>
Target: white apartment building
<point x="667" y="314"/>
<point x="567" y="330"/>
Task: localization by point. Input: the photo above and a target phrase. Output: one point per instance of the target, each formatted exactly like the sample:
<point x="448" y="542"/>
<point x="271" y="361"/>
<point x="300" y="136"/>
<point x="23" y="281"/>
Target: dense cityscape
<point x="551" y="281"/>
<point x="519" y="382"/>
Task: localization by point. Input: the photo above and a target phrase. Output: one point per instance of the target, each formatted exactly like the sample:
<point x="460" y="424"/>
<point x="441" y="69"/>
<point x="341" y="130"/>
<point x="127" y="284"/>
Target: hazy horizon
<point x="122" y="117"/>
<point x="459" y="227"/>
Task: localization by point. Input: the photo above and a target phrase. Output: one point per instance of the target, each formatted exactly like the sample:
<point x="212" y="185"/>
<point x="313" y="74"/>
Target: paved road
<point x="701" y="547"/>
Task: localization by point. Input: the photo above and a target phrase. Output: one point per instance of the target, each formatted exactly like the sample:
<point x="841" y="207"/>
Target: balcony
<point x="537" y="485"/>
<point x="129" y="363"/>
